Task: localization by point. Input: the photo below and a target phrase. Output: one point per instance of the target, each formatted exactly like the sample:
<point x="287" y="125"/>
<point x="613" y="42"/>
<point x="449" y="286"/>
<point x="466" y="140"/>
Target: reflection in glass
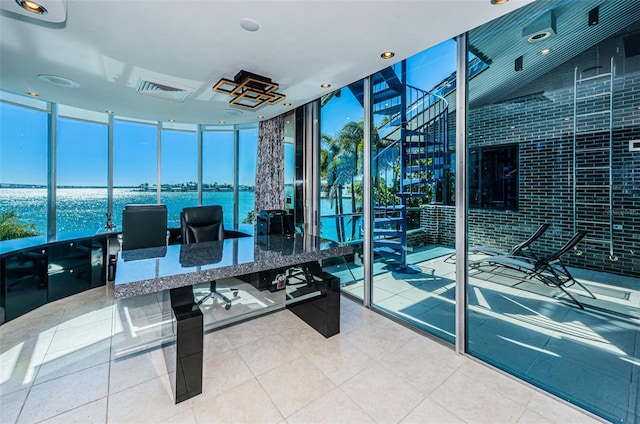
<point x="412" y="187"/>
<point x="565" y="121"/>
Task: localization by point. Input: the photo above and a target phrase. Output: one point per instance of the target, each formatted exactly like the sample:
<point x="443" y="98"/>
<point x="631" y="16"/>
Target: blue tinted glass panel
<point x="81" y="194"/>
<point x="135" y="166"/>
<point x="23" y="165"/>
<point x="247" y="157"/>
<point x="179" y="172"/>
<point x="218" y="171"/>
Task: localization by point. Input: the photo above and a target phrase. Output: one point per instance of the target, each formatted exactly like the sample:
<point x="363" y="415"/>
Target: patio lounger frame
<point x="520" y="249"/>
<point x="549" y="271"/>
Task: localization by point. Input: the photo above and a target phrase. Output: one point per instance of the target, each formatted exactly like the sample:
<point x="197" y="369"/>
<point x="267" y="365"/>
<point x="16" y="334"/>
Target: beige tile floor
<point x="57" y="366"/>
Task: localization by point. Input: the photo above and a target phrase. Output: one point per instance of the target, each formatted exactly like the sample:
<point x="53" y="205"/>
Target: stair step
<point x="389" y="208"/>
<point x="388" y="221"/>
<point x="387" y="232"/>
<point x="435" y="147"/>
<point x="388" y="253"/>
<point x="393" y="244"/>
<point x="384" y="95"/>
<point x="408" y="132"/>
<point x="386" y="110"/>
<point x="413" y="181"/>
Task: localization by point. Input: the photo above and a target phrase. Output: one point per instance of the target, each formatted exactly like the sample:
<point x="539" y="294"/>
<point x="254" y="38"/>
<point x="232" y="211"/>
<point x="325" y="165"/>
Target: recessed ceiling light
<point x="287" y="104"/>
<point x="260" y="116"/>
<point x="32" y="93"/>
<point x="32" y="6"/>
<point x="59" y="81"/>
<point x="545" y="51"/>
<point x="325" y="85"/>
<point x="539" y="36"/>
<point x="498" y="1"/>
<point x="387" y="55"/>
<point x="567" y="119"/>
<point x="172" y="120"/>
<point x="109" y="111"/>
<point x="249" y="24"/>
<point x="221" y="122"/>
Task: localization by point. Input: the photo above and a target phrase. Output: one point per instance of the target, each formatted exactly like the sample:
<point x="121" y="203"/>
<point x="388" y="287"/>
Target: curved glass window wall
<point x="153" y="162"/>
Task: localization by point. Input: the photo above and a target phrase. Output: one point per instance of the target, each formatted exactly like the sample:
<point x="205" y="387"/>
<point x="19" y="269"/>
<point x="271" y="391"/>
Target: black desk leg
<point x="187" y="355"/>
<point x="322" y="312"/>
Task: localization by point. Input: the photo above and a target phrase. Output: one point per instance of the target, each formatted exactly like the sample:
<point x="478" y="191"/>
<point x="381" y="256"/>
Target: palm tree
<point x="351" y="142"/>
<point x="330" y="168"/>
<point x="11" y="228"/>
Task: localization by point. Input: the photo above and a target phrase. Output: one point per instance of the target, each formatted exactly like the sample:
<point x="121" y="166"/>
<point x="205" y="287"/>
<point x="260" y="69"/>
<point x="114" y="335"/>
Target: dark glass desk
<point x="171" y="272"/>
<point x="145" y="271"/>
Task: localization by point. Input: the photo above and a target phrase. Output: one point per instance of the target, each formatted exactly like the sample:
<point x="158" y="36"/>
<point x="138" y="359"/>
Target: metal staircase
<point x="593" y="157"/>
<point x="410" y="159"/>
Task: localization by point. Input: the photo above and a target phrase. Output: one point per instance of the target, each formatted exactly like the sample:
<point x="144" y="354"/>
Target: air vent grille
<point x="634" y="145"/>
<point x="163" y="90"/>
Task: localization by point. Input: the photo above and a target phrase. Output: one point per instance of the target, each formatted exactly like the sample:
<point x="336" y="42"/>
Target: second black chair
<point x="201" y="224"/>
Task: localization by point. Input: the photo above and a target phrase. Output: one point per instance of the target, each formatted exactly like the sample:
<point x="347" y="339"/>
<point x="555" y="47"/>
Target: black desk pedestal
<point x="317" y="303"/>
<point x="186" y="354"/>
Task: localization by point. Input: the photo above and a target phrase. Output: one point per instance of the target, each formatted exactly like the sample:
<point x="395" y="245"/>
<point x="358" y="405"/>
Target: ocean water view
<point x="84" y="209"/>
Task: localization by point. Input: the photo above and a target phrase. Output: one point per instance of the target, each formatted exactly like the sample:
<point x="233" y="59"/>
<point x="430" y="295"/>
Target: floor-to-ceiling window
<point x="551" y="124"/>
<point x="179" y="170"/>
<point x="413" y="225"/>
<point x="135" y="165"/>
<point x="341" y="172"/>
<point x="247" y="156"/>
<point x="218" y="170"/>
<point x="23" y="168"/>
<point x="81" y="171"/>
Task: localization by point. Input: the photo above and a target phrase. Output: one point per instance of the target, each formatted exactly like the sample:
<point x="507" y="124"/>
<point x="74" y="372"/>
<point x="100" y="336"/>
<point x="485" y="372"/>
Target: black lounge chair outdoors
<point x="520" y="249"/>
<point x="549" y="271"/>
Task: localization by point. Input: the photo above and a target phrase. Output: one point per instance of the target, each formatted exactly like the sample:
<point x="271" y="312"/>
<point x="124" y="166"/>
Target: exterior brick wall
<point x="539" y="118"/>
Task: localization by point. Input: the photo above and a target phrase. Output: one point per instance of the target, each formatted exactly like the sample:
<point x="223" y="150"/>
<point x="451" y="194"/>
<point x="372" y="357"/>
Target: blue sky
<point x="82" y="152"/>
<point x="82" y="147"/>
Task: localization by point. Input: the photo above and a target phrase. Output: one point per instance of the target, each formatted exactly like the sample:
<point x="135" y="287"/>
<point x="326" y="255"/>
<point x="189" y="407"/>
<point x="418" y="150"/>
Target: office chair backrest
<point x="144" y="226"/>
<point x="201" y="223"/>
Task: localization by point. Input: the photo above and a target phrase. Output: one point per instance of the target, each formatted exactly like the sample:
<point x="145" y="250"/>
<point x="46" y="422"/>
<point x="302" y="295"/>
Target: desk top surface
<point x="145" y="271"/>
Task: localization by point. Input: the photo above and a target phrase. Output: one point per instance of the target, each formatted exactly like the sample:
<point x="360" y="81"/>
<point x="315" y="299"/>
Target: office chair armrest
<point x="230" y="234"/>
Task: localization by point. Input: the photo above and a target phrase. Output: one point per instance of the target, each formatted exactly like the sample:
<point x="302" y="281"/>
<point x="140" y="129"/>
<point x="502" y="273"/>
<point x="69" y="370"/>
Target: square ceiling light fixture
<point x="250" y="91"/>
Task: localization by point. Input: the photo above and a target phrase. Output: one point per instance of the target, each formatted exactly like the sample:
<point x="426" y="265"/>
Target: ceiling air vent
<point x="163" y="90"/>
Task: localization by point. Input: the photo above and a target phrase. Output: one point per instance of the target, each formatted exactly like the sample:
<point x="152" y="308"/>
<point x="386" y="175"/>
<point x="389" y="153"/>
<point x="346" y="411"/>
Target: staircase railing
<point x="415" y="140"/>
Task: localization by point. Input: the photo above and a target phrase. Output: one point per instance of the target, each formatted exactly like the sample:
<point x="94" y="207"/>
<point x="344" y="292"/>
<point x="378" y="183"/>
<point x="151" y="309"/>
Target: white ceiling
<point x="107" y="45"/>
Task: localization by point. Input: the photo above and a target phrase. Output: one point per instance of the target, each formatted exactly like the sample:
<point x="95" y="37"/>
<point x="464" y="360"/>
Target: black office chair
<point x="201" y="224"/>
<point x="144" y="226"/>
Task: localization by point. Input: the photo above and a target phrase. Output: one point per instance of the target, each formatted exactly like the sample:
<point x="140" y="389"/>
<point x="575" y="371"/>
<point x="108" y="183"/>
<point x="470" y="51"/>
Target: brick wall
<point x="539" y="117"/>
